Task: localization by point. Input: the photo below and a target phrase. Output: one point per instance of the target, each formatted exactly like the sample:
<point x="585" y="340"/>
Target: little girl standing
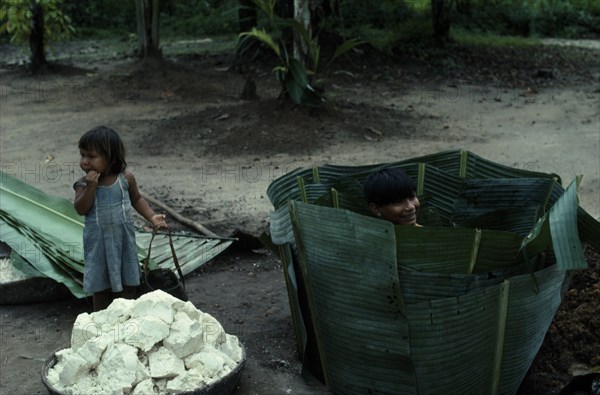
<point x="105" y="195"/>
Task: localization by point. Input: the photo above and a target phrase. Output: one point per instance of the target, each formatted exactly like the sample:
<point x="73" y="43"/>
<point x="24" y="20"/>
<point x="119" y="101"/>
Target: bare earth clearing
<point x="196" y="146"/>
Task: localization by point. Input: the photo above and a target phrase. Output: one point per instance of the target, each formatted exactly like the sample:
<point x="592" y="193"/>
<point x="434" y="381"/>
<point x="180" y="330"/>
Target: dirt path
<point x="213" y="157"/>
<point x="193" y="144"/>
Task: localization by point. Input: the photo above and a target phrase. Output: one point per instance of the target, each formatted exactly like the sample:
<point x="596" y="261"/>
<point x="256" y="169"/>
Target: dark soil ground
<point x="572" y="344"/>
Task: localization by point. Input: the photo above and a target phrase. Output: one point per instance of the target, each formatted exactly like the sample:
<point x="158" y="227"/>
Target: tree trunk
<point x="463" y="6"/>
<point x="440" y="12"/>
<point x="246" y="15"/>
<point x="302" y="15"/>
<point x="320" y="10"/>
<point x="246" y="49"/>
<point x="154" y="29"/>
<point x="148" y="23"/>
<point x="36" y="38"/>
<point x="285" y="8"/>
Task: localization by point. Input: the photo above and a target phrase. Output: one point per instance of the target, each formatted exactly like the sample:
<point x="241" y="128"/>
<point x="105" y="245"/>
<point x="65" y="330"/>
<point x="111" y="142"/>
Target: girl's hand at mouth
<point x="92" y="177"/>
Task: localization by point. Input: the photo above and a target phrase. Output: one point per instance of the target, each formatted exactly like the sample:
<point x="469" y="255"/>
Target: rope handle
<point x="175" y="260"/>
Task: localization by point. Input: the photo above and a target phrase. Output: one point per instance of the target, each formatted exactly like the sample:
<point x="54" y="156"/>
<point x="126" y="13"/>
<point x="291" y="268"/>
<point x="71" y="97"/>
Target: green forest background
<point x="383" y="23"/>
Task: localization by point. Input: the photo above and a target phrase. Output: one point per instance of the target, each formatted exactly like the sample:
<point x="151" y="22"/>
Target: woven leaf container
<point x="460" y="305"/>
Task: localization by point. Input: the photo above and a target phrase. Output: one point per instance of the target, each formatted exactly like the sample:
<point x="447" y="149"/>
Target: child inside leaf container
<point x="392" y="195"/>
<point x="105" y="195"/>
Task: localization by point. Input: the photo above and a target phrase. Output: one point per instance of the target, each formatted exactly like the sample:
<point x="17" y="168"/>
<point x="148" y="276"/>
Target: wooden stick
<point x="178" y="217"/>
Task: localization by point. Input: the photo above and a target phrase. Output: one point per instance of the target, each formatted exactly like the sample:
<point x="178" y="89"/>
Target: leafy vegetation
<point x="468" y="38"/>
<point x="550" y="18"/>
<point x="194" y="18"/>
<point x="390" y="26"/>
<point x="294" y="74"/>
<point x="101" y="18"/>
<point x="384" y="23"/>
<point x="16" y="17"/>
<point x="35" y="22"/>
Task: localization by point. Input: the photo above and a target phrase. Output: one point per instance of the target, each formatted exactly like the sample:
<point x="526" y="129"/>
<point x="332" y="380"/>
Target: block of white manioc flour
<point x="118" y="367"/>
<point x="191" y="378"/>
<point x="145" y="387"/>
<point x="83" y="330"/>
<point x="92" y="351"/>
<point x="231" y="348"/>
<point x="156" y="305"/>
<point x="73" y="368"/>
<point x="156" y="344"/>
<point x="213" y="331"/>
<point x="165" y="364"/>
<point x="209" y="360"/>
<point x="145" y="332"/>
<point x="185" y="337"/>
<point x="120" y="311"/>
<point x="191" y="311"/>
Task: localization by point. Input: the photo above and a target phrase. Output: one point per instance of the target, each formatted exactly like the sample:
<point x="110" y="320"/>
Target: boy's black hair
<point x="388" y="186"/>
<point x="107" y="143"/>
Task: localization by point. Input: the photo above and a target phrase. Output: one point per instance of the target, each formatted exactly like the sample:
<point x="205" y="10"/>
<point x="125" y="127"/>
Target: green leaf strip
<point x="335" y="198"/>
<point x="563" y="228"/>
<point x="302" y="187"/>
<point x="464" y="157"/>
<point x="501" y="332"/>
<point x="315" y="174"/>
<point x="421" y="179"/>
<point x="474" y="251"/>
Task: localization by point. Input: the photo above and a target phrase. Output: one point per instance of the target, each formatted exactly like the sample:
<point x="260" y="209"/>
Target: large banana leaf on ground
<point x="47" y="235"/>
<point x="477" y="287"/>
<point x="44" y="230"/>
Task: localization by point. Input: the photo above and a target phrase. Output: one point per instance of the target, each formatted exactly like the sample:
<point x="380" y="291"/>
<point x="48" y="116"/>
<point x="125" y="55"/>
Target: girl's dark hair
<point x="388" y="186"/>
<point x="107" y="143"/>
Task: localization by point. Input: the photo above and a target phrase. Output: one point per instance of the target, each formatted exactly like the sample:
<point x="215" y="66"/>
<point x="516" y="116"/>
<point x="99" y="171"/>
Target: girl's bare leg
<point x="127" y="293"/>
<point x="102" y="299"/>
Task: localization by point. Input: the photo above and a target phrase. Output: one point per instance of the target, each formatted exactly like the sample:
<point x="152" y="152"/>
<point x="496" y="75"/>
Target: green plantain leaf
<point x="263" y="36"/>
<point x="192" y="251"/>
<point x="343" y="48"/>
<point x="47" y="233"/>
<point x="563" y="228"/>
<point x="30" y="250"/>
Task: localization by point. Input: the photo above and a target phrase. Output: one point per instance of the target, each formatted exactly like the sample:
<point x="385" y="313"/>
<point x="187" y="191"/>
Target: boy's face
<point x="401" y="213"/>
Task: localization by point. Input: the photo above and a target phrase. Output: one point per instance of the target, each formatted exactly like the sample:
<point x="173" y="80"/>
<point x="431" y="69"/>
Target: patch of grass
<point x="416" y="31"/>
<point x="469" y="38"/>
<point x="214" y="45"/>
<point x="86" y="33"/>
<point x="107" y="48"/>
<point x="419" y="28"/>
<point x="381" y="39"/>
<point x="420" y="6"/>
<point x="195" y="19"/>
<point x="92" y="50"/>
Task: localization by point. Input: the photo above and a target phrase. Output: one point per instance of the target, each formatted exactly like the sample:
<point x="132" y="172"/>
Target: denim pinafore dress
<point x="110" y="252"/>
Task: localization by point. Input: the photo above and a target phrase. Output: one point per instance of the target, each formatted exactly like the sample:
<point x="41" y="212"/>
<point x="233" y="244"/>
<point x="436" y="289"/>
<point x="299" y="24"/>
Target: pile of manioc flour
<point x="156" y="344"/>
<point x="9" y="273"/>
